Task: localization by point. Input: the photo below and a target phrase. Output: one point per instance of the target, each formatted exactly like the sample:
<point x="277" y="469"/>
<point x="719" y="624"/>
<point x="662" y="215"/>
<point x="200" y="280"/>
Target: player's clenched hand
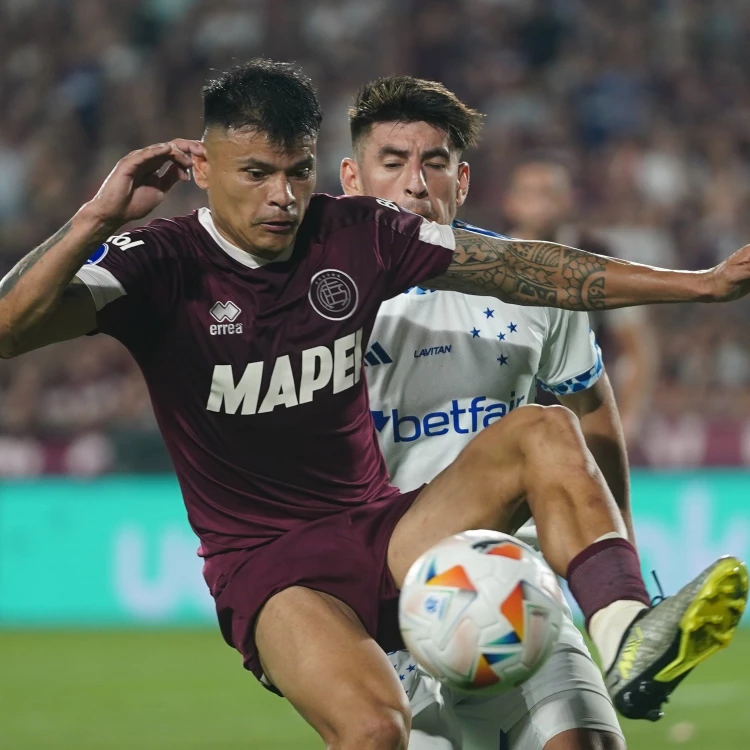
<point x="731" y="278"/>
<point x="140" y="180"/>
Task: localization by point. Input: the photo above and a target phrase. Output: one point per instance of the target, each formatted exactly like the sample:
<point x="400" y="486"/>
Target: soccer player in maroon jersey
<point x="248" y="319"/>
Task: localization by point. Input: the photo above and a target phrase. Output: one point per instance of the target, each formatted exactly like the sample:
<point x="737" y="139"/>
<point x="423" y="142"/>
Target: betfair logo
<point x="630" y="652"/>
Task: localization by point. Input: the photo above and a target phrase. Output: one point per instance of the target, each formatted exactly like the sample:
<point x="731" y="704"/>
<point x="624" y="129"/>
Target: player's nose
<point x="416" y="187"/>
<point x="280" y="194"/>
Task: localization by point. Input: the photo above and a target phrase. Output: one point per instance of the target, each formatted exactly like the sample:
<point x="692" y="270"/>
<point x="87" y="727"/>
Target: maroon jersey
<point x="255" y="367"/>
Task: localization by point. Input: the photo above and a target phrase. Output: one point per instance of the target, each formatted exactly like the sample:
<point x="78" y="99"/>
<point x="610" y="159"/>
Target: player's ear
<point x="201" y="170"/>
<point x="350" y="182"/>
<point x="462" y="185"/>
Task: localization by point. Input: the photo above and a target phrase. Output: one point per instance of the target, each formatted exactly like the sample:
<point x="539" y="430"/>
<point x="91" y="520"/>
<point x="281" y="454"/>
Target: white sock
<point x="608" y="626"/>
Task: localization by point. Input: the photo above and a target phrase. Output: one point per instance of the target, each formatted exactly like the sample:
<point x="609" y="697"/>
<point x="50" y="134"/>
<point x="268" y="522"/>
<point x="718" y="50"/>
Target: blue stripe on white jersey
<point x="580" y="382"/>
<point x="457" y="224"/>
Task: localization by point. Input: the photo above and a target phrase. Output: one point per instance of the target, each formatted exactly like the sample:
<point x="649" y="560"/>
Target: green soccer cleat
<point x="664" y="643"/>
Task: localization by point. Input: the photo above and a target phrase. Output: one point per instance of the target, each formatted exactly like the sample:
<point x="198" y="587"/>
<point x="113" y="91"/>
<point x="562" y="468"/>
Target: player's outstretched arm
<point x="40" y="301"/>
<point x="552" y="275"/>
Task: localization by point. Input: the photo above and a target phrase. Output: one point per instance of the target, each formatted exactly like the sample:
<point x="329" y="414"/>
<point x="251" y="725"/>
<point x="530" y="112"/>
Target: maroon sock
<point x="606" y="572"/>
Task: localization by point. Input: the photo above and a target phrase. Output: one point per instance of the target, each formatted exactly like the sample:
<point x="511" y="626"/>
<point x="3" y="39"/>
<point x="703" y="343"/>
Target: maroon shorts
<point x="343" y="555"/>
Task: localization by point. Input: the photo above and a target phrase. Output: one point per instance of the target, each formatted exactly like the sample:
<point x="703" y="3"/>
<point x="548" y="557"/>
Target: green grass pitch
<point x="178" y="690"/>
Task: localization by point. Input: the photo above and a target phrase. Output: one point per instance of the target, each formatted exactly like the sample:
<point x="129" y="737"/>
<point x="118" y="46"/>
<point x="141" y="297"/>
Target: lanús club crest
<point x="333" y="294"/>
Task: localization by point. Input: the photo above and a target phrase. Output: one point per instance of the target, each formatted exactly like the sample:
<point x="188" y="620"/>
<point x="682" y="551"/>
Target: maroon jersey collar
<point x="246" y="259"/>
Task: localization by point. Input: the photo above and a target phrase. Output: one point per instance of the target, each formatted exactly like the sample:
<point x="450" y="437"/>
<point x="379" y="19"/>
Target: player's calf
<point x="563" y="486"/>
<point x="581" y="531"/>
<point x="538" y="455"/>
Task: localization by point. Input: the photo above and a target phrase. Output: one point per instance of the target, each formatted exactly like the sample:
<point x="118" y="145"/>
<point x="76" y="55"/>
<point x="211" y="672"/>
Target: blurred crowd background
<point x="645" y="102"/>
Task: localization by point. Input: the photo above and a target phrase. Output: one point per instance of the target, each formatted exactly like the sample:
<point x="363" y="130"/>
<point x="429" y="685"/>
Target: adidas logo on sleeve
<point x="376" y="355"/>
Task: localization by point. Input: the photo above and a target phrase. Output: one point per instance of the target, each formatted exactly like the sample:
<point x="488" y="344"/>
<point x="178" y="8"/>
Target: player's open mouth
<point x="280" y="227"/>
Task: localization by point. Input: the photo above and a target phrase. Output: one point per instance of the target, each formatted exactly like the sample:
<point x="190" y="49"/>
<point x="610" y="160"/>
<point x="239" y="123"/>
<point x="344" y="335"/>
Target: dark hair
<point x="274" y="97"/>
<point x="407" y="99"/>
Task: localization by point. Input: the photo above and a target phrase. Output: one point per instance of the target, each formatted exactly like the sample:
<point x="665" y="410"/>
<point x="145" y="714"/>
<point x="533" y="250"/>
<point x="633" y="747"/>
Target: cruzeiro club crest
<point x="333" y="294"/>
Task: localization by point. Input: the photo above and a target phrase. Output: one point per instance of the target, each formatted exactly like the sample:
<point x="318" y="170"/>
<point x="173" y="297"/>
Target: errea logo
<point x="222" y="311"/>
<point x="225" y="311"/>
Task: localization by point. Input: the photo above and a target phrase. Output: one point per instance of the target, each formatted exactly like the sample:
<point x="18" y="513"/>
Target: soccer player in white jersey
<point x="441" y="367"/>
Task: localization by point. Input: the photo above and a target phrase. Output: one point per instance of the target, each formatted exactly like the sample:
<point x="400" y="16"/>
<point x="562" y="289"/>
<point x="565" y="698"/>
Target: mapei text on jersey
<point x="339" y="366"/>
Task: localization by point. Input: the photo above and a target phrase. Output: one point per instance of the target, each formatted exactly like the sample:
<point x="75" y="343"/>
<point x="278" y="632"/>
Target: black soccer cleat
<point x="663" y="644"/>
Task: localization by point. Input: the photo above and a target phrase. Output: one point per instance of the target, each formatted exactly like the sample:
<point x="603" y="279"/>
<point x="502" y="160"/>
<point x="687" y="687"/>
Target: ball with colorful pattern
<point x="481" y="611"/>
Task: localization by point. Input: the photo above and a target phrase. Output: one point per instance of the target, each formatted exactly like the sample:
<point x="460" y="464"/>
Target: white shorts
<point x="568" y="692"/>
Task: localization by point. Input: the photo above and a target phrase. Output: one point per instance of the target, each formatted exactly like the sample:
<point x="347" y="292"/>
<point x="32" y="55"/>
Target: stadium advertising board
<point x="119" y="551"/>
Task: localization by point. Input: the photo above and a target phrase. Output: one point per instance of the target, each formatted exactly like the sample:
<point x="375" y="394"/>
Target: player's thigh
<point x="482" y="489"/>
<point x="565" y="703"/>
<point x="548" y="726"/>
<point x="314" y="649"/>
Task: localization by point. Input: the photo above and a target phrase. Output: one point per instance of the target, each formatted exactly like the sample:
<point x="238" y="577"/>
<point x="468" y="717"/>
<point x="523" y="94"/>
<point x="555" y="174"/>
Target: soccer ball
<point x="480" y="611"/>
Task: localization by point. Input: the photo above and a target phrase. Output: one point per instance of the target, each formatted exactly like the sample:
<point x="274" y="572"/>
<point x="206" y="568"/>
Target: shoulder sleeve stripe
<point x="437" y="234"/>
<point x="458" y="224"/>
<point x="102" y="284"/>
<point x="580" y="382"/>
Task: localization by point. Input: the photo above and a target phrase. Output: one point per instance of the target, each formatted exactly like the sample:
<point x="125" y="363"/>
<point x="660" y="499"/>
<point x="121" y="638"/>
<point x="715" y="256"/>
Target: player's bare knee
<point x="553" y="431"/>
<point x="505" y="445"/>
<point x="379" y="727"/>
<point x="530" y="432"/>
<point x="556" y="420"/>
<point x="503" y="436"/>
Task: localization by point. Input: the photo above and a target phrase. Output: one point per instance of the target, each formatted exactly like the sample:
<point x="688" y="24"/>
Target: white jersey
<point x="443" y="365"/>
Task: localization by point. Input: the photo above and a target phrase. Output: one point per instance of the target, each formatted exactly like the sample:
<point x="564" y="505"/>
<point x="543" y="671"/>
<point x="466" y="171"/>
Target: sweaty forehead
<point x="414" y="137"/>
<point x="251" y="143"/>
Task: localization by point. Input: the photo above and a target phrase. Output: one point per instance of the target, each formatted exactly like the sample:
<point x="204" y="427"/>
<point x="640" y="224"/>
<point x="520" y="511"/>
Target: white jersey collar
<point x="241" y="256"/>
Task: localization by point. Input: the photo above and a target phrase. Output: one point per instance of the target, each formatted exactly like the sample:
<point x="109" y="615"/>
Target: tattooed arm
<point x="40" y="300"/>
<point x="551" y="275"/>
